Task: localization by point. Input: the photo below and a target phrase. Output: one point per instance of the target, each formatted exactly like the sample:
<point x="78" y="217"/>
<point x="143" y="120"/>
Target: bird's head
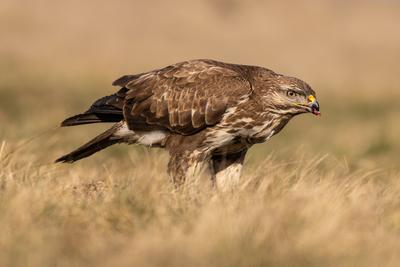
<point x="289" y="95"/>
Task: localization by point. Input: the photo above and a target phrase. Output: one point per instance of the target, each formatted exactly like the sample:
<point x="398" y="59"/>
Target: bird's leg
<point x="187" y="166"/>
<point x="177" y="169"/>
<point x="227" y="169"/>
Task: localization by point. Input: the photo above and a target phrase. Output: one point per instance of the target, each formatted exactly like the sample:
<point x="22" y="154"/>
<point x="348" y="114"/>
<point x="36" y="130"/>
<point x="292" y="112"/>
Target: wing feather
<point x="183" y="98"/>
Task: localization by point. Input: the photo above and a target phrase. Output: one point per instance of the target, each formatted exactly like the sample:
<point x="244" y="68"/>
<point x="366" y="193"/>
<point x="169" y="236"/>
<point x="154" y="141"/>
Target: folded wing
<point x="183" y="98"/>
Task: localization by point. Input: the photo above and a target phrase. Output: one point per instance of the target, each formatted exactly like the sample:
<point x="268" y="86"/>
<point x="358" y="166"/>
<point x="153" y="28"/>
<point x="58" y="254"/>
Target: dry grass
<point x="295" y="205"/>
<point x="298" y="212"/>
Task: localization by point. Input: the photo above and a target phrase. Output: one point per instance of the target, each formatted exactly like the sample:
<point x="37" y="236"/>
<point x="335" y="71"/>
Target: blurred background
<point x="118" y="208"/>
<point x="56" y="57"/>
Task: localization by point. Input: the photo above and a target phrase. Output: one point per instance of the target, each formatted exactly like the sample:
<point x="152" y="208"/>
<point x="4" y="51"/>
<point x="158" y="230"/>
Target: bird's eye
<point x="291" y="93"/>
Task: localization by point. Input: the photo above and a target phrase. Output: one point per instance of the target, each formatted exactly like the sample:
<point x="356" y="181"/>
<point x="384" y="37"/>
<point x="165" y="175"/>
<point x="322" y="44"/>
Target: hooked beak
<point x="313" y="105"/>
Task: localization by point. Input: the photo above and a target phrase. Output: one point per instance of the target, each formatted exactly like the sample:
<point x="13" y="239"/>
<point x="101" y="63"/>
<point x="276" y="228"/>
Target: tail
<point x="105" y="109"/>
<point x="87" y="118"/>
<point x="100" y="142"/>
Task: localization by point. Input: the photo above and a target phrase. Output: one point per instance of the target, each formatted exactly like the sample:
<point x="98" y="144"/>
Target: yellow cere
<point x="311" y="98"/>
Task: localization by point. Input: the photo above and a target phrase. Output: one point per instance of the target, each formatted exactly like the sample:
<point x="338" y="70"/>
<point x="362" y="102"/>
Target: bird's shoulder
<point x="190" y="71"/>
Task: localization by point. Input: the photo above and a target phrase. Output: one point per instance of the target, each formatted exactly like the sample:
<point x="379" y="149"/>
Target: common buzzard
<point x="204" y="112"/>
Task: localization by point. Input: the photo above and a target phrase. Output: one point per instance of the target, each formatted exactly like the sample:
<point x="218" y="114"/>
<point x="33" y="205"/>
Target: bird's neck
<point x="272" y="124"/>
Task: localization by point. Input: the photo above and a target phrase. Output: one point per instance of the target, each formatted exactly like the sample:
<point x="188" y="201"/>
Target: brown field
<point x="324" y="192"/>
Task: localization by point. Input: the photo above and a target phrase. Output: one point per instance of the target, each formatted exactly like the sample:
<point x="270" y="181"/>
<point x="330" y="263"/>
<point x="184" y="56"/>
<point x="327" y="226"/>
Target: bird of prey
<point x="205" y="113"/>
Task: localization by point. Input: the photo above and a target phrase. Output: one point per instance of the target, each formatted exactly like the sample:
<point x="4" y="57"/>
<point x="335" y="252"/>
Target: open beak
<point x="313" y="105"/>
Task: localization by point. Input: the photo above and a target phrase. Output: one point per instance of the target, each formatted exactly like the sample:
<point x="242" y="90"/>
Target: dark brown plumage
<point x="205" y="113"/>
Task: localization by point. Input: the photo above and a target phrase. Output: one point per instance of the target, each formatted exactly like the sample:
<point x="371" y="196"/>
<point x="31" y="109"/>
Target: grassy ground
<point x="306" y="210"/>
<point x="324" y="192"/>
